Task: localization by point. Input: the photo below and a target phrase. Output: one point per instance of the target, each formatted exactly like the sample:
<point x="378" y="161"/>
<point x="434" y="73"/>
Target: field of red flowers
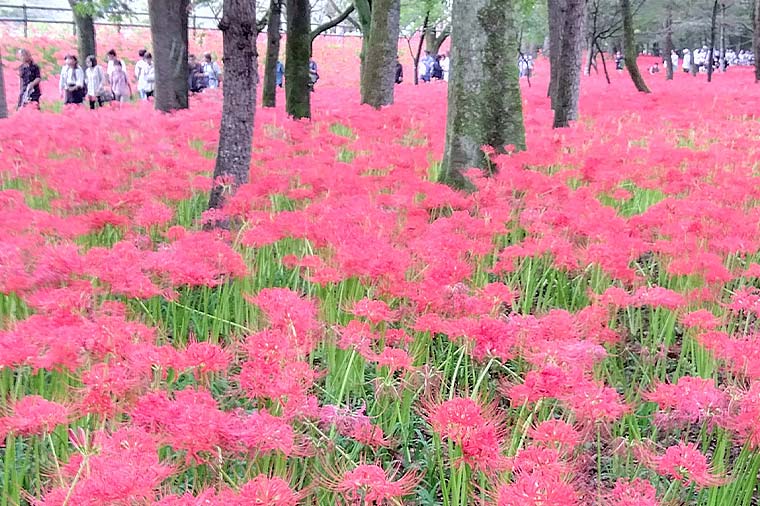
<point x="583" y="330"/>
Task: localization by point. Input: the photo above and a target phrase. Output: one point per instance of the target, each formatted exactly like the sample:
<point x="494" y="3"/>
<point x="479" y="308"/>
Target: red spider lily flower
<point x="375" y="311"/>
<point x="690" y="400"/>
<point x="556" y="434"/>
<point x="34" y="415"/>
<point x="370" y="484"/>
<point x="683" y="462"/>
<point x="636" y="492"/>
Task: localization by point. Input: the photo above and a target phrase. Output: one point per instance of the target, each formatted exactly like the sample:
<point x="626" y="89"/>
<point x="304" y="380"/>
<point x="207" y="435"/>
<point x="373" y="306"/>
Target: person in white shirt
<point x="140" y="65"/>
<point x="147" y="81"/>
<point x="96" y="82"/>
<point x="446" y="66"/>
<point x="74" y="81"/>
<point x="112" y="59"/>
<point x="686" y="61"/>
<point x="62" y="80"/>
<point x="674" y="60"/>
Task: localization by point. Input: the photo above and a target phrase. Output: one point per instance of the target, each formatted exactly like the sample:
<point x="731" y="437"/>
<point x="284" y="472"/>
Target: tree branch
<point x="332" y="23"/>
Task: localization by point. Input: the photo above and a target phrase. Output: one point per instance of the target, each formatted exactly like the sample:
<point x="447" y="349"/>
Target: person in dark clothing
<point x="437" y="72"/>
<point x="195" y="76"/>
<point x="29" y="80"/>
<point x="399" y="72"/>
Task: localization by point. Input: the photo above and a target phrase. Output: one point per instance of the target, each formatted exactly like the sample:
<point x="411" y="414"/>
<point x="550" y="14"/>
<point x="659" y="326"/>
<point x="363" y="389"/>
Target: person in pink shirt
<point x="122" y="90"/>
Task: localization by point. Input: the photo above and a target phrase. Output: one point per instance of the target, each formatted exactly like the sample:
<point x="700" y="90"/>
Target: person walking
<point x="446" y="66"/>
<point x="112" y="59"/>
<point x="211" y="71"/>
<point x="195" y="77"/>
<point x="122" y="90"/>
<point x="147" y="80"/>
<point x="313" y="74"/>
<point x="140" y="65"/>
<point x="96" y="82"/>
<point x="279" y="74"/>
<point x="62" y="79"/>
<point x="75" y="82"/>
<point x="399" y="72"/>
<point x="29" y="80"/>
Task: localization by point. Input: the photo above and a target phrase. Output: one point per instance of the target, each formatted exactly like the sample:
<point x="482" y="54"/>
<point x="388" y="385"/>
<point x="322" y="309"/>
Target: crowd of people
<point x="700" y="57"/>
<point x="96" y="86"/>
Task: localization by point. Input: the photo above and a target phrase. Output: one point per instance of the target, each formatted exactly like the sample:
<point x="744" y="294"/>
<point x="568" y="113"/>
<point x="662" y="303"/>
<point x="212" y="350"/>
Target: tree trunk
<point x="756" y="37"/>
<point x="416" y="56"/>
<point x="378" y="79"/>
<point x="485" y="106"/>
<point x="269" y="96"/>
<point x="430" y="35"/>
<point x="233" y="160"/>
<point x="669" y="47"/>
<point x="589" y="56"/>
<point x="85" y="30"/>
<point x="364" y="12"/>
<point x="722" y="37"/>
<point x="629" y="47"/>
<point x="569" y="72"/>
<point x="297" y="54"/>
<point x="713" y="29"/>
<point x="3" y="98"/>
<point x="556" y="9"/>
<point x="168" y="28"/>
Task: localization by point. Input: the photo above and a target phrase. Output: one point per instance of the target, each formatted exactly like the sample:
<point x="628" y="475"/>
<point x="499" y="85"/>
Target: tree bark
<point x="756" y="37"/>
<point x="379" y="77"/>
<point x="439" y="40"/>
<point x="629" y="46"/>
<point x="669" y="47"/>
<point x="364" y="12"/>
<point x="169" y="31"/>
<point x="713" y="29"/>
<point x="297" y="54"/>
<point x="85" y="30"/>
<point x="269" y="96"/>
<point x="3" y="98"/>
<point x="569" y="72"/>
<point x="233" y="160"/>
<point x="556" y="9"/>
<point x="485" y="105"/>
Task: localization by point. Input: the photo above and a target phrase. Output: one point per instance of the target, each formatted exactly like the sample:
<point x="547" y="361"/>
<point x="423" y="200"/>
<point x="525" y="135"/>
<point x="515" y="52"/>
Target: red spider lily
<point x="33" y="414"/>
<point x="636" y="492"/>
<point x="370" y="484"/>
<point x="683" y="462"/>
<point x="690" y="400"/>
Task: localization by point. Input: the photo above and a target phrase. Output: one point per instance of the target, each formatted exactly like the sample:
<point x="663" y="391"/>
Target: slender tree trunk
<point x="297" y="53"/>
<point x="364" y="13"/>
<point x="756" y="37"/>
<point x="269" y="96"/>
<point x="378" y="80"/>
<point x="629" y="46"/>
<point x="713" y="29"/>
<point x="233" y="160"/>
<point x="669" y="47"/>
<point x="556" y="10"/>
<point x="485" y="106"/>
<point x="439" y="40"/>
<point x="85" y="30"/>
<point x="604" y="63"/>
<point x="589" y="56"/>
<point x="722" y="37"/>
<point x="416" y="56"/>
<point x="169" y="31"/>
<point x="430" y="35"/>
<point x="3" y="98"/>
<point x="569" y="71"/>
